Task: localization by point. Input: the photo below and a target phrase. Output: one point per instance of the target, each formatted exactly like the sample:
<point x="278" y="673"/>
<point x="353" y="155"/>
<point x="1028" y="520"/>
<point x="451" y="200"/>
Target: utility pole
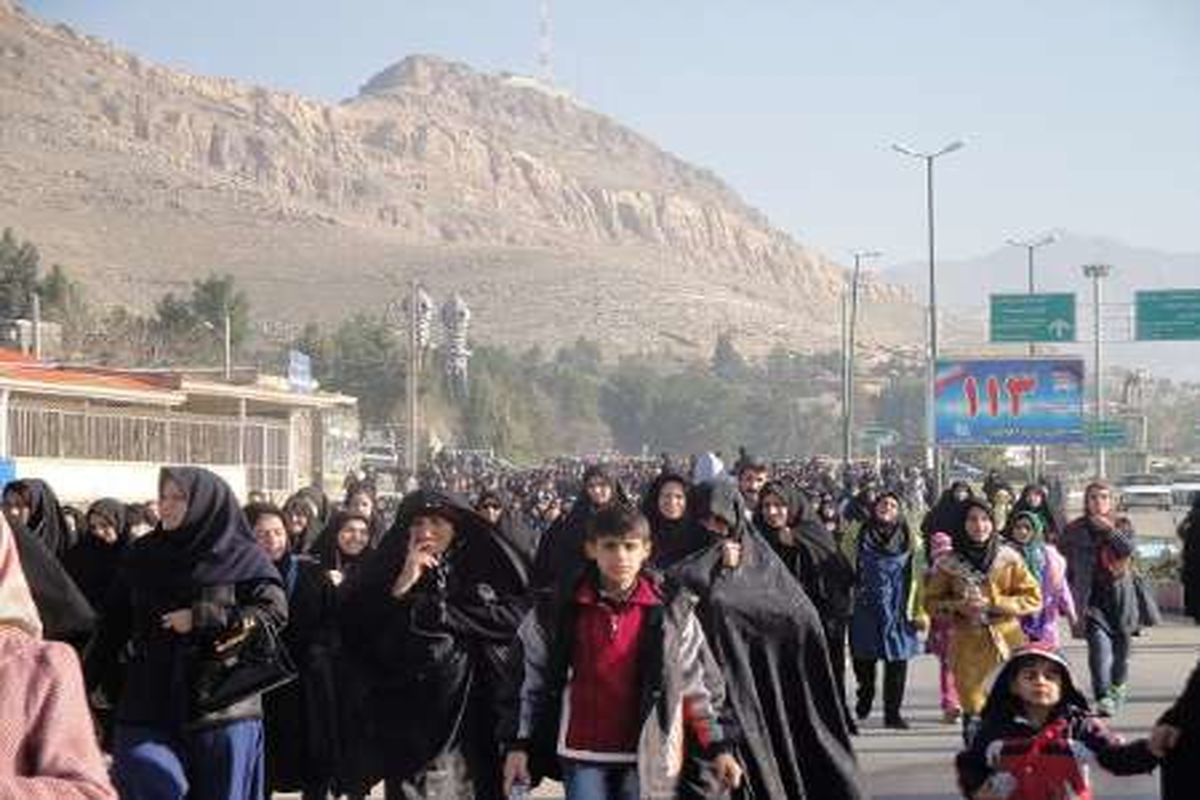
<point x="228" y="345"/>
<point x="848" y="356"/>
<point x="1031" y="245"/>
<point x="932" y="457"/>
<point x="414" y="371"/>
<point x="36" y="303"/>
<point x="1098" y="272"/>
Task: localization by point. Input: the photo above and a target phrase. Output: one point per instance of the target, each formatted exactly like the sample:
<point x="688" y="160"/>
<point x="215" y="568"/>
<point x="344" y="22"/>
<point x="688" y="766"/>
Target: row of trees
<point x="525" y="405"/>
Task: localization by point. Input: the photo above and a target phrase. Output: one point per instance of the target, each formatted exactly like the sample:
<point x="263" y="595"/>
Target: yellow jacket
<point x="977" y="645"/>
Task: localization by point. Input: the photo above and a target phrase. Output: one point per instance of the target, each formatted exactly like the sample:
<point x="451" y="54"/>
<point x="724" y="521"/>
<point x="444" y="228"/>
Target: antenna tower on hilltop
<point x="545" y="72"/>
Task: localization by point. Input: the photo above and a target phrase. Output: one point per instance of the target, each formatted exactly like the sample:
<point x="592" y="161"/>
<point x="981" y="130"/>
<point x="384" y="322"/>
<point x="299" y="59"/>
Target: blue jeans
<point x="585" y="780"/>
<point x="1108" y="658"/>
<point x="224" y="762"/>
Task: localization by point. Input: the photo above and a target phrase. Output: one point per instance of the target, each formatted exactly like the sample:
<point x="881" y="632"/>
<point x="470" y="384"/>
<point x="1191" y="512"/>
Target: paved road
<point x="919" y="763"/>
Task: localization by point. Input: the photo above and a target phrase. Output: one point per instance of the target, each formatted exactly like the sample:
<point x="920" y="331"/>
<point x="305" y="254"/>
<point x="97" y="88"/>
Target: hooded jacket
<point x="1049" y="762"/>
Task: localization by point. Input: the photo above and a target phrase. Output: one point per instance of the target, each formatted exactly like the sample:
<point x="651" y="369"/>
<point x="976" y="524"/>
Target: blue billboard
<point x="1010" y="401"/>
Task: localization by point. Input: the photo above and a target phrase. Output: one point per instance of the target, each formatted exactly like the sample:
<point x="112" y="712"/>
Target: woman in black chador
<point x="674" y="534"/>
<point x="31" y="503"/>
<point x="300" y="718"/>
<point x="431" y="617"/>
<point x="767" y="636"/>
<point x="560" y="560"/>
<point x="810" y="553"/>
<point x="93" y="562"/>
<point x="198" y="577"/>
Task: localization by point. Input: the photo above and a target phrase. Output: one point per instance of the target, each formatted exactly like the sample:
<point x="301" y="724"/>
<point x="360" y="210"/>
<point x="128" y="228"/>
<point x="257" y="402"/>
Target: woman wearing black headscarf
<point x="767" y="637"/>
<point x="948" y="510"/>
<point x="30" y="503"/>
<point x="492" y="506"/>
<point x="431" y="618"/>
<point x="985" y="588"/>
<point x="93" y="563"/>
<point x="1035" y="499"/>
<point x="674" y="535"/>
<point x="198" y="577"/>
<point x="887" y="609"/>
<point x="300" y="718"/>
<point x="560" y="559"/>
<point x="363" y="499"/>
<point x="810" y="553"/>
<point x="344" y="545"/>
<point x="304" y="522"/>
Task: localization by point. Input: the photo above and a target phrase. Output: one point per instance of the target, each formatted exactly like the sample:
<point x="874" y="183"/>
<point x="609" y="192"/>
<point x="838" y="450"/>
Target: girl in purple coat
<point x="1026" y="534"/>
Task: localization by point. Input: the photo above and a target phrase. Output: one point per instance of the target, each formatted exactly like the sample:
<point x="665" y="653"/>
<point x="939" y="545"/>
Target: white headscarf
<point x="16" y="603"/>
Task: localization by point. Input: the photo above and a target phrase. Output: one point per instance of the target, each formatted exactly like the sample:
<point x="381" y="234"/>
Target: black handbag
<point x="248" y="660"/>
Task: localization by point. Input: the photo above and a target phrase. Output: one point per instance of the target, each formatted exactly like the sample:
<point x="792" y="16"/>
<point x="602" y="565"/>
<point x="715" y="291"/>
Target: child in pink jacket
<point x="940" y="629"/>
<point x="1050" y="568"/>
<point x="48" y="749"/>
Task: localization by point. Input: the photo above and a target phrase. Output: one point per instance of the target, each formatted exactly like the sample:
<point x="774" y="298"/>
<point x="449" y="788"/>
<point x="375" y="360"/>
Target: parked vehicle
<point x="1183" y="486"/>
<point x="1144" y="490"/>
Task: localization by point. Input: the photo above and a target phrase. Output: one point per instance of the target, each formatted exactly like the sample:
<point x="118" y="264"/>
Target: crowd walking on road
<point x="634" y="629"/>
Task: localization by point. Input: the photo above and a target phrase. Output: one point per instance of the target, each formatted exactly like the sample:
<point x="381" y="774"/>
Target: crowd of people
<point x="637" y="628"/>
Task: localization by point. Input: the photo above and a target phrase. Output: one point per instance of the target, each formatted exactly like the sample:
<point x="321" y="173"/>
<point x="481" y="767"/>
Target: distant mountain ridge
<point x="552" y="220"/>
<point x="964" y="287"/>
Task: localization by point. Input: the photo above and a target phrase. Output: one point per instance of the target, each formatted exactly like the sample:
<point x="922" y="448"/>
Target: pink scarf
<point x="16" y="603"/>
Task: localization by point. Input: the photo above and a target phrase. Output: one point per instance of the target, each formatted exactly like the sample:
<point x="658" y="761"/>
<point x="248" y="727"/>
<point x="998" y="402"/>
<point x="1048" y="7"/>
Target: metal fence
<point x="42" y="430"/>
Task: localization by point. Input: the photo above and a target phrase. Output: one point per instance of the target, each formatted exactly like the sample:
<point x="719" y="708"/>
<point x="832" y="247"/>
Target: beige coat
<point x="978" y="647"/>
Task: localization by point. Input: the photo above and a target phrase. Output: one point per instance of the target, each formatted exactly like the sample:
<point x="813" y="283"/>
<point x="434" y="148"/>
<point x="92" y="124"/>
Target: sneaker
<point x="1119" y="693"/>
<point x="951" y="716"/>
<point x="1106" y="706"/>
<point x="896" y="723"/>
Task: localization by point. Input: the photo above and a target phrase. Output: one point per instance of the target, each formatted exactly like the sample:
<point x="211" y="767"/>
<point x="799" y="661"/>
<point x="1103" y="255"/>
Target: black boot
<point x="864" y="675"/>
<point x="895" y="674"/>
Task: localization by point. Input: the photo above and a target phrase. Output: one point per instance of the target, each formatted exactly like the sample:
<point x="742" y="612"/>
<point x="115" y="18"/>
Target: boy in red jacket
<point x="617" y="677"/>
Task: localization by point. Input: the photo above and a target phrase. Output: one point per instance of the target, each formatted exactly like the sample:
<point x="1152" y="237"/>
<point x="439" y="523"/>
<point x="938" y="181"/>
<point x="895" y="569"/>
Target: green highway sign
<point x="1106" y="433"/>
<point x="883" y="436"/>
<point x="1033" y="317"/>
<point x="1168" y="314"/>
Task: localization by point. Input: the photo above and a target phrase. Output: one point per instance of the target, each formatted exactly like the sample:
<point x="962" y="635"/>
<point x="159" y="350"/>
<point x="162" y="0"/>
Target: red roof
<point x="15" y="365"/>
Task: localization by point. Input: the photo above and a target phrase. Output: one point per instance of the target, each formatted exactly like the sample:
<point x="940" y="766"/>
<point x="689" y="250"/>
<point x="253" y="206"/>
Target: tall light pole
<point x="1097" y="272"/>
<point x="932" y="459"/>
<point x="1031" y="245"/>
<point x="848" y="356"/>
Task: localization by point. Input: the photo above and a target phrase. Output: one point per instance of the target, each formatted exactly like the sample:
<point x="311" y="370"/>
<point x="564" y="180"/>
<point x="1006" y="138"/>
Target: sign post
<point x="1169" y="314"/>
<point x="1032" y="318"/>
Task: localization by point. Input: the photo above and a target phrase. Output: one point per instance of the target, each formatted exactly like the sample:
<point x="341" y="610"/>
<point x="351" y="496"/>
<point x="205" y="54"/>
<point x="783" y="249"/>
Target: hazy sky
<point x="1078" y="114"/>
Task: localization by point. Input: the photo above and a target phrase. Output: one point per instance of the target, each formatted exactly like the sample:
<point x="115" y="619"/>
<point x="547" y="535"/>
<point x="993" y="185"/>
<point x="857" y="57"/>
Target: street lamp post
<point x="1030" y="246"/>
<point x="932" y="458"/>
<point x="848" y="356"/>
<point x="1097" y="272"/>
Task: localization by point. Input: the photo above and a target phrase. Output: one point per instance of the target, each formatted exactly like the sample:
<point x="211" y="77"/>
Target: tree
<point x="727" y="362"/>
<point x="366" y="361"/>
<point x="216" y="296"/>
<point x="18" y="275"/>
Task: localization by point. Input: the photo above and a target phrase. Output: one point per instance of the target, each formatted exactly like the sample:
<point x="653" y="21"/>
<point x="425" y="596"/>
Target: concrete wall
<point x="80" y="481"/>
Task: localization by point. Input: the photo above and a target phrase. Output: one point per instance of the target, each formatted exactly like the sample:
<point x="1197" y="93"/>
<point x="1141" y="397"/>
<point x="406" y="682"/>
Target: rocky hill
<point x="552" y="220"/>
